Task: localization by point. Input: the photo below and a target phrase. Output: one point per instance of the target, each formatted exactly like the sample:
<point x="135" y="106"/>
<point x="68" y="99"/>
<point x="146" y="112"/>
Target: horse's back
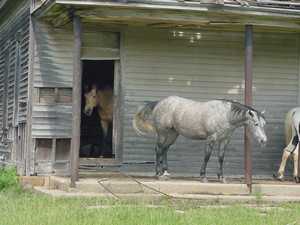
<point x="189" y="118"/>
<point x="292" y="115"/>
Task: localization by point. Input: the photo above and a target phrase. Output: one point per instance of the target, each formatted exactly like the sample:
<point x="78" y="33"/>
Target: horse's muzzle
<point x="88" y="112"/>
<point x="263" y="142"/>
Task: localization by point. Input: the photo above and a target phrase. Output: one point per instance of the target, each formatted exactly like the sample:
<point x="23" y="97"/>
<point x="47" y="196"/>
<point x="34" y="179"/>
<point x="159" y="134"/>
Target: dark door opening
<point x="97" y="109"/>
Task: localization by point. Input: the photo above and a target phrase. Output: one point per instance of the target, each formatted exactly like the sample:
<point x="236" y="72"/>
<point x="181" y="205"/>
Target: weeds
<point x="9" y="179"/>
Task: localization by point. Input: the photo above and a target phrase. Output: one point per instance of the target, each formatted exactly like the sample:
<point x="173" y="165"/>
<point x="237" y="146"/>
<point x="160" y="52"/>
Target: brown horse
<point x="291" y="125"/>
<point x="102" y="99"/>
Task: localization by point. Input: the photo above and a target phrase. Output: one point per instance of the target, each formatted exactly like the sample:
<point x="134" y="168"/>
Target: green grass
<point x="9" y="179"/>
<point x="35" y="209"/>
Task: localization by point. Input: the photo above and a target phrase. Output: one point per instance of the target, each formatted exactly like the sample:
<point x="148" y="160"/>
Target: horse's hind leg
<point x="296" y="152"/>
<point x="171" y="138"/>
<point x="208" y="150"/>
<point x="280" y="173"/>
<point x="165" y="140"/>
<point x="295" y="158"/>
<point x="285" y="155"/>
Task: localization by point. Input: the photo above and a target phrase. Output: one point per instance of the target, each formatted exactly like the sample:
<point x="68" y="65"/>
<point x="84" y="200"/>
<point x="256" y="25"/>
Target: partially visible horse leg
<point x="296" y="151"/>
<point x="171" y="138"/>
<point x="158" y="152"/>
<point x="280" y="173"/>
<point x="285" y="155"/>
<point x="165" y="139"/>
<point x="222" y="147"/>
<point x="105" y="125"/>
<point x="295" y="158"/>
<point x="208" y="150"/>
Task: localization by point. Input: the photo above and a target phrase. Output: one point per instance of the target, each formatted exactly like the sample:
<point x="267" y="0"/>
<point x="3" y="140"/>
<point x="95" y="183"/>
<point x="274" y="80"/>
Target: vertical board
<point x="275" y="89"/>
<point x="18" y="24"/>
<point x="14" y="32"/>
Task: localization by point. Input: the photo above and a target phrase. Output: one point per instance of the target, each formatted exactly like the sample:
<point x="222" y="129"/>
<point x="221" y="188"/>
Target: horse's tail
<point x="143" y="121"/>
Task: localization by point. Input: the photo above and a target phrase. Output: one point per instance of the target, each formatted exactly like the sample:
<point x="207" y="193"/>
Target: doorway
<point x="96" y="140"/>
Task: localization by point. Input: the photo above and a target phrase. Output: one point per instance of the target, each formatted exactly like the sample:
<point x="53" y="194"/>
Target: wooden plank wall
<point x="156" y="64"/>
<point x="52" y="75"/>
<point x="14" y="42"/>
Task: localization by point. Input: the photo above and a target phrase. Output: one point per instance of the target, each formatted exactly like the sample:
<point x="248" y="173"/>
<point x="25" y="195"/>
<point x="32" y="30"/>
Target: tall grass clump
<point x="9" y="179"/>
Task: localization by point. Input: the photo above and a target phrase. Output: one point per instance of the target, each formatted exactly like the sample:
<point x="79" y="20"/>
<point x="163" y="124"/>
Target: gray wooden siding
<point x="99" y="44"/>
<point x="53" y="56"/>
<point x="53" y="68"/>
<point x="14" y="41"/>
<point x="276" y="88"/>
<point x="16" y="64"/>
<point x="52" y="121"/>
<point x="156" y="65"/>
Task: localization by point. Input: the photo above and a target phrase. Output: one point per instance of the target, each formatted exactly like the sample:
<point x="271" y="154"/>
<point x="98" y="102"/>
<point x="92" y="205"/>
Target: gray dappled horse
<point x="291" y="125"/>
<point x="213" y="121"/>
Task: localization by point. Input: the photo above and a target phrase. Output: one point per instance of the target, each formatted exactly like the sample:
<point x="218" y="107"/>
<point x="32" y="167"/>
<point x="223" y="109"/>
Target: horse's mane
<point x="238" y="108"/>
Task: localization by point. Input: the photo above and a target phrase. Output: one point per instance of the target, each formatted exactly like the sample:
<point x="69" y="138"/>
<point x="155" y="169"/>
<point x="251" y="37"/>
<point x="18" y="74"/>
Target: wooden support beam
<point x="248" y="101"/>
<point x="30" y="143"/>
<point x="76" y="103"/>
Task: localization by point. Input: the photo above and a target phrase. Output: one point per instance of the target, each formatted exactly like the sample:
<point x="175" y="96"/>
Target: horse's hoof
<point x="223" y="180"/>
<point x="204" y="180"/>
<point x="166" y="173"/>
<point x="278" y="177"/>
<point x="163" y="177"/>
<point x="297" y="179"/>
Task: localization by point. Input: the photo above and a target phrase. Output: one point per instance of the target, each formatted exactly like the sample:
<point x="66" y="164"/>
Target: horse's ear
<point x="263" y="112"/>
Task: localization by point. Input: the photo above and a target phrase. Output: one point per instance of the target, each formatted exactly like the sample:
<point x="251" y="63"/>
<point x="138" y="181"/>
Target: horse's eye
<point x="256" y="124"/>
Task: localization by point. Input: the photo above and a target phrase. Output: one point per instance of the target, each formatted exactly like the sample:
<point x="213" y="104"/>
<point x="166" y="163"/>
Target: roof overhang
<point x="179" y="14"/>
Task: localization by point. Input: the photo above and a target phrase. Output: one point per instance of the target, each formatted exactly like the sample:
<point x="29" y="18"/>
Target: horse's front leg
<point x="104" y="124"/>
<point x="221" y="153"/>
<point x="158" y="166"/>
<point x="208" y="150"/>
<point x="165" y="163"/>
<point x="295" y="158"/>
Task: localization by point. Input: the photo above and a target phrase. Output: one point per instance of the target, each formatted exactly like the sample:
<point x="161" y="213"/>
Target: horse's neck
<point x="238" y="119"/>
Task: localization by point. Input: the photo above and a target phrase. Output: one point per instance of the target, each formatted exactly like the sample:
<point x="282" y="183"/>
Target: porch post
<point x="76" y="100"/>
<point x="248" y="101"/>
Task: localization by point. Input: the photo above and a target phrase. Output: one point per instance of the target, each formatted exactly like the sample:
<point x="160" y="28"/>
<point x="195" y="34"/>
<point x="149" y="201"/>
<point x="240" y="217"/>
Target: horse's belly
<point x="192" y="131"/>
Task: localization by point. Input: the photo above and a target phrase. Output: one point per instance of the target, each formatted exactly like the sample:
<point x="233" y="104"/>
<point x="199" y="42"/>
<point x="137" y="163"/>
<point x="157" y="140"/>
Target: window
<point x="62" y="149"/>
<point x="49" y="95"/>
<point x="43" y="149"/>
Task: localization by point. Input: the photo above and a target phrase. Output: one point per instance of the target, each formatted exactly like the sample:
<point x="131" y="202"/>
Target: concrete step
<point x="208" y="198"/>
<point x="149" y="186"/>
<point x="277" y="189"/>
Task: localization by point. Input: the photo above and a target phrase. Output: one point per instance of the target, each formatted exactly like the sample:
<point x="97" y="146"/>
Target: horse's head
<point x="257" y="122"/>
<point x="90" y="100"/>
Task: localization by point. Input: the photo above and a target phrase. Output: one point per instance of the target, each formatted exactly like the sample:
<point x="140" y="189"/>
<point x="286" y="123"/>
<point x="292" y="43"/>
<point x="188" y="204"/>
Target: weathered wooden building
<point x="146" y="49"/>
